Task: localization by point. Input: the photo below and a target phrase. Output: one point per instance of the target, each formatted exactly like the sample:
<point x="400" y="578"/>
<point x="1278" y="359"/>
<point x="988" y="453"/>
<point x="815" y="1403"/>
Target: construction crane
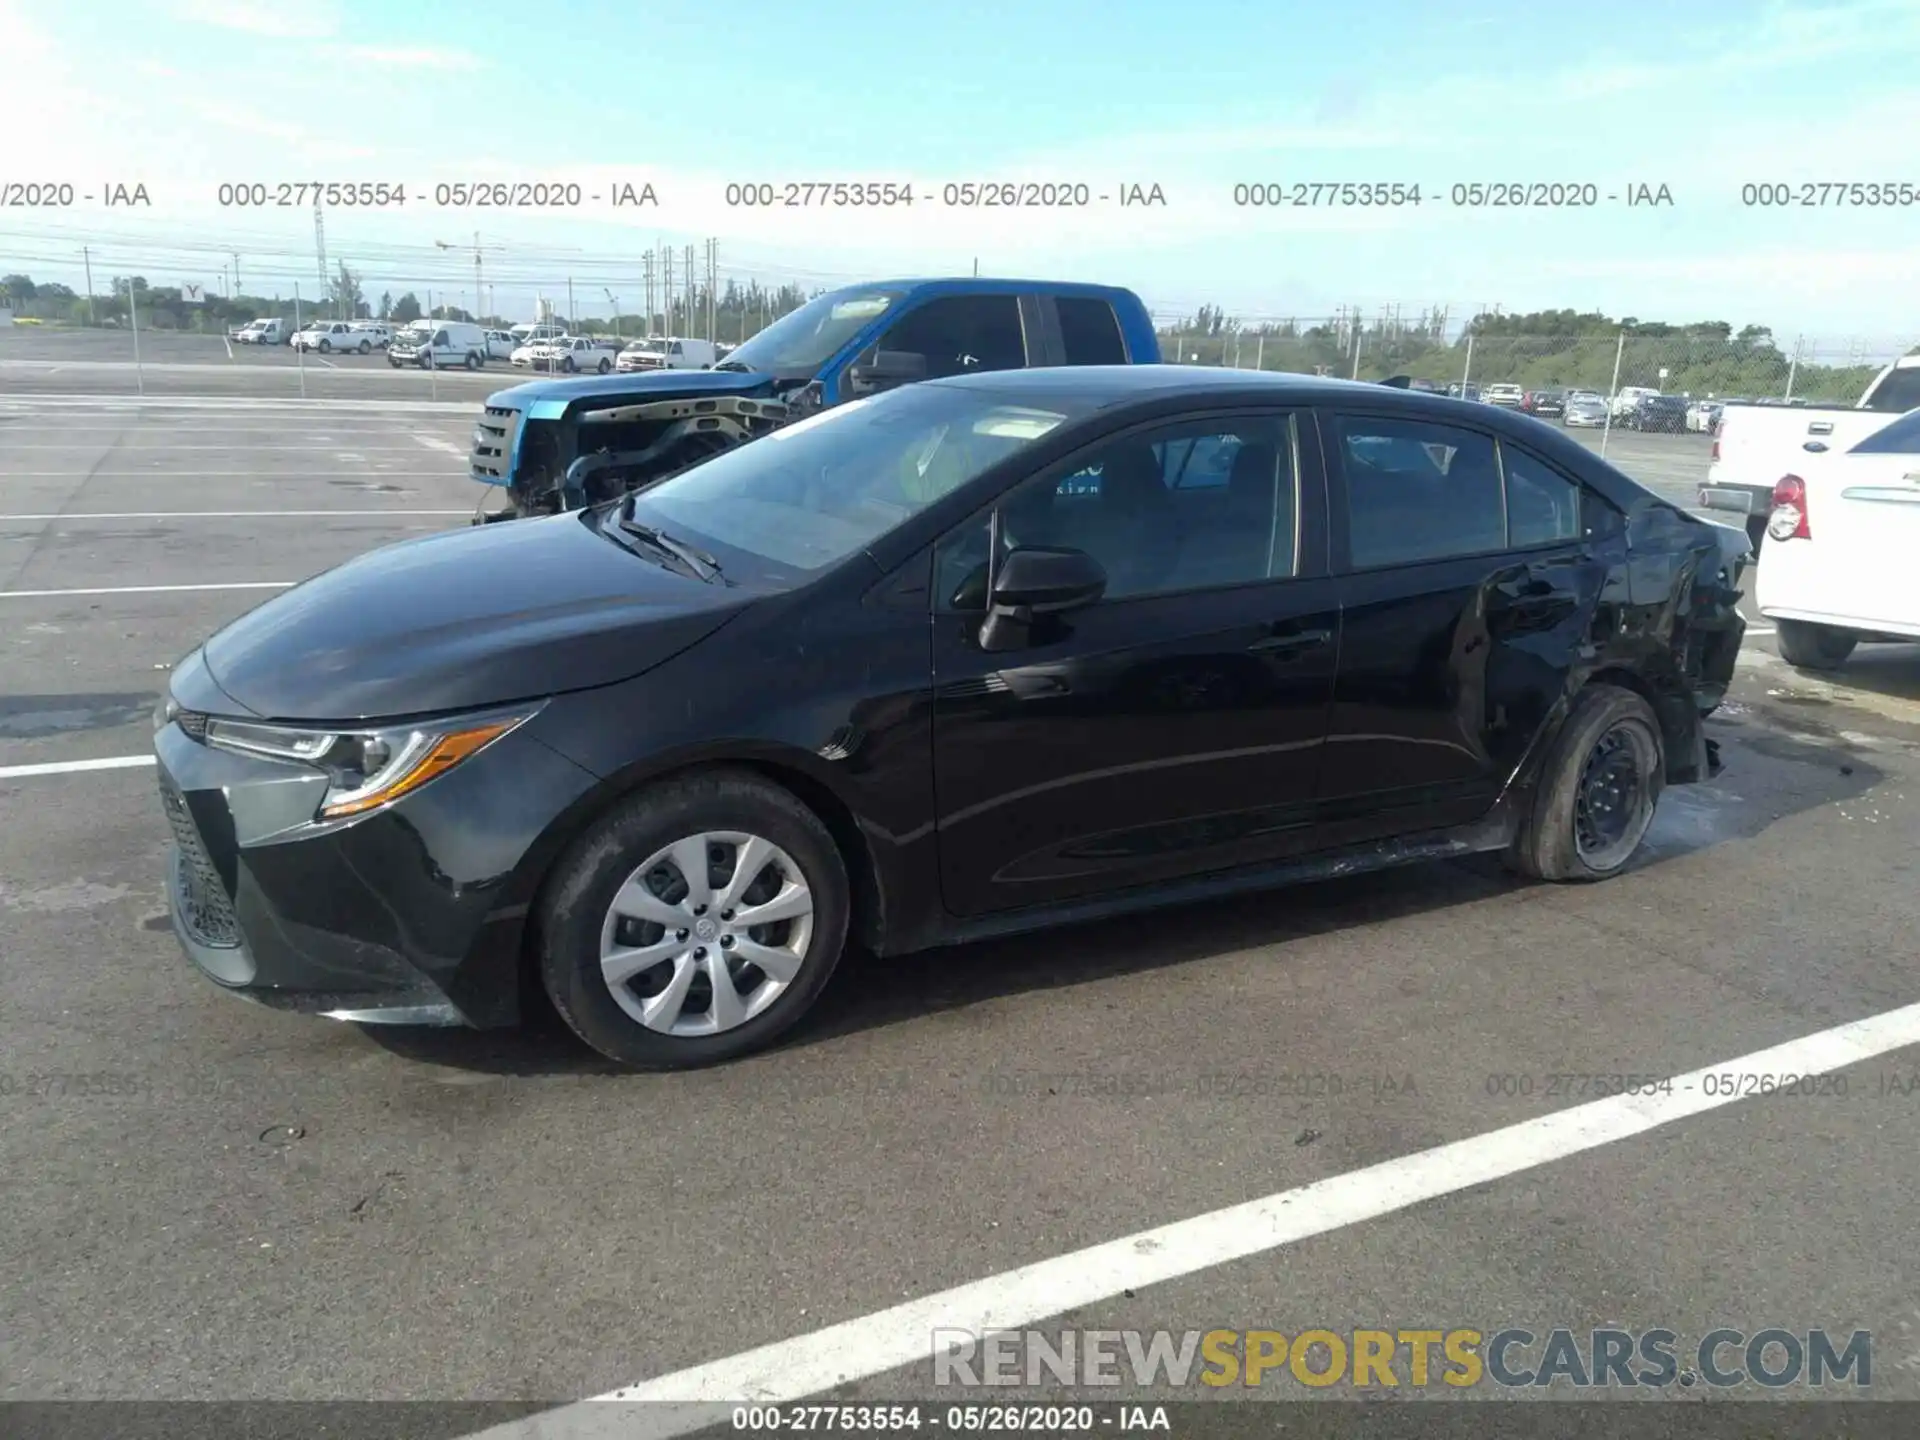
<point x="320" y="248"/>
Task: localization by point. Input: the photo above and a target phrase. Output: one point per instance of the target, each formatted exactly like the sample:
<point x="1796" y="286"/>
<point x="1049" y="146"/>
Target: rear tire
<point x="473" y="361"/>
<point x="1597" y="790"/>
<point x="624" y="857"/>
<point x="1814" y="647"/>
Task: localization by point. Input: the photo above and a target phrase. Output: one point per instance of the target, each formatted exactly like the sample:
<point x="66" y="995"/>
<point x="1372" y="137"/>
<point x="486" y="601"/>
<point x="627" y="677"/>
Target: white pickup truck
<point x="572" y="354"/>
<point x="1758" y="444"/>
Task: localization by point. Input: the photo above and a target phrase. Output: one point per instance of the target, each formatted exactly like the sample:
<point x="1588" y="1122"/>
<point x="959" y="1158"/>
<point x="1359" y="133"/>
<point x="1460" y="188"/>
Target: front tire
<point x="366" y="347"/>
<point x="648" y="945"/>
<point x="567" y="365"/>
<point x="1597" y="790"/>
<point x="605" y="366"/>
<point x="326" y="347"/>
<point x="1813" y="647"/>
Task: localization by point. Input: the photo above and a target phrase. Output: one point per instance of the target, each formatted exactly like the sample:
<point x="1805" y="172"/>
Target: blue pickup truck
<point x="565" y="444"/>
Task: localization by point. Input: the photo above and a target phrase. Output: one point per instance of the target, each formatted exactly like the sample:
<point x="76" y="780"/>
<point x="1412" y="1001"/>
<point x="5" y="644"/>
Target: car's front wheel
<point x="326" y="347"/>
<point x="1597" y="791"/>
<point x="1814" y="647"/>
<point x="605" y="366"/>
<point x="366" y="347"/>
<point x="695" y="923"/>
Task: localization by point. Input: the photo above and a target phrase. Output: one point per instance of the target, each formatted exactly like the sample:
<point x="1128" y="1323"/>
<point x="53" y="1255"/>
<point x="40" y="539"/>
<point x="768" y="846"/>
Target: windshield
<point x="808" y="496"/>
<point x="802" y="342"/>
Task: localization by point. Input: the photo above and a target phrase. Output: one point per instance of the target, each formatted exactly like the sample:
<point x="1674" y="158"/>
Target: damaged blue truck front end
<point x="564" y="444"/>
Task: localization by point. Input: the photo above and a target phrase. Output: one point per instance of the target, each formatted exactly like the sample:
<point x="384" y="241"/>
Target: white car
<point x="1507" y="395"/>
<point x="1844" y="530"/>
<point x="1630" y="396"/>
<point x="501" y="345"/>
<point x="523" y="353"/>
<point x="326" y="336"/>
<point x="375" y="330"/>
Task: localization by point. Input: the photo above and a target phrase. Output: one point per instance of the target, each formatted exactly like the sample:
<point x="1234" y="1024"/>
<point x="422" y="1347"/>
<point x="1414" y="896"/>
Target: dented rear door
<point x="1472" y="575"/>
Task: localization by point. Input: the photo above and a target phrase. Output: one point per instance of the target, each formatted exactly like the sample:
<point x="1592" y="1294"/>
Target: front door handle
<point x="1291" y="644"/>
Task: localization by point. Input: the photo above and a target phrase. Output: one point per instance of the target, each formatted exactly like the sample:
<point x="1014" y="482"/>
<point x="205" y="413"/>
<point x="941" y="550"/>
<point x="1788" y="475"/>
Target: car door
<point x="1471" y="571"/>
<point x="1172" y="728"/>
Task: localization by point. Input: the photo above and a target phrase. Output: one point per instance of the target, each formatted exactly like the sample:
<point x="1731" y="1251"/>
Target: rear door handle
<point x="1292" y="643"/>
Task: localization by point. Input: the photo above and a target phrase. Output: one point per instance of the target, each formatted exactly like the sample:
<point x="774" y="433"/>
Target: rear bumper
<point x="1737" y="499"/>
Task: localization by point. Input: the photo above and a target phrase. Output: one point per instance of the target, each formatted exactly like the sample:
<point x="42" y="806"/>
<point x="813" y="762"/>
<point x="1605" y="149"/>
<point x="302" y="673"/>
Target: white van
<point x="437" y="344"/>
<point x="675" y="352"/>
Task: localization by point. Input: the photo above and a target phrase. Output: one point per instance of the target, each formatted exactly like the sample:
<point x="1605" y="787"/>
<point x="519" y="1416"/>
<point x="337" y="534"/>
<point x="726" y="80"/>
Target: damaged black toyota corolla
<point x="970" y="656"/>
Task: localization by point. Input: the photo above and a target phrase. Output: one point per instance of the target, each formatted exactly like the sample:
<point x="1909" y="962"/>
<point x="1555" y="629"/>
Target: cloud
<point x="275" y="19"/>
<point x="411" y="57"/>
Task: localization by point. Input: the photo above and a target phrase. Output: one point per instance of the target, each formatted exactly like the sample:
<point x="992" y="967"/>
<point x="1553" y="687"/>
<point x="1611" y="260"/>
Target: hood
<point x="549" y="399"/>
<point x="474" y="617"/>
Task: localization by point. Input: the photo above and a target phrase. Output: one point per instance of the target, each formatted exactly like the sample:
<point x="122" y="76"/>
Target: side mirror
<point x="887" y="369"/>
<point x="1036" y="582"/>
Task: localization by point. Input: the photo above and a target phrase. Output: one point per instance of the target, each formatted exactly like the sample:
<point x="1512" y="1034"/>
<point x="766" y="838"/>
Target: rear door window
<point x="1090" y="332"/>
<point x="1418" y="491"/>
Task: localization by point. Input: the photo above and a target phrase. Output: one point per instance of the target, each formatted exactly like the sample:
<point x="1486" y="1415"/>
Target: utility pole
<point x="572" y="319"/>
<point x="479" y="294"/>
<point x="666" y="290"/>
<point x="693" y="291"/>
<point x="86" y="259"/>
<point x="320" y="247"/>
<point x="646" y="269"/>
<point x="713" y="283"/>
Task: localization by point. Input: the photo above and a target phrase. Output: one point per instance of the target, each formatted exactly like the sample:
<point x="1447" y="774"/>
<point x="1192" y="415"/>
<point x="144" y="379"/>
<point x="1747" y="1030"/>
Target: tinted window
<point x="1418" y="491"/>
<point x="1542" y="505"/>
<point x="962" y="335"/>
<point x="1899" y="391"/>
<point x="1188" y="508"/>
<point x="1090" y="332"/>
<point x="1902" y="437"/>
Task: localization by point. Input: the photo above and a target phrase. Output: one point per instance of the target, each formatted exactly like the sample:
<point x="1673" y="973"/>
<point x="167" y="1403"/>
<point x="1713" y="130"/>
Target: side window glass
<point x="1152" y="534"/>
<point x="1543" y="506"/>
<point x="962" y="335"/>
<point x="1416" y="490"/>
<point x="1902" y="437"/>
<point x="674" y="349"/>
<point x="1089" y="332"/>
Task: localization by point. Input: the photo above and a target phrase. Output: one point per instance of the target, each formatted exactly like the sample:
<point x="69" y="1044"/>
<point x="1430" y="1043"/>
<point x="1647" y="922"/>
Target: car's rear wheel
<point x="695" y="923"/>
<point x="473" y="361"/>
<point x="1814" y="647"/>
<point x="1597" y="791"/>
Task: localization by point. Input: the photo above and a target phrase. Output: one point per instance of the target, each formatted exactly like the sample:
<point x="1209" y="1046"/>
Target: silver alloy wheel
<point x="707" y="934"/>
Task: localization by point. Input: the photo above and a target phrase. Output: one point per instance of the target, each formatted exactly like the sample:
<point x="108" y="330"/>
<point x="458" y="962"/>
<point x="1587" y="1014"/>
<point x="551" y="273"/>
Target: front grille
<point x="493" y="444"/>
<point x="205" y="908"/>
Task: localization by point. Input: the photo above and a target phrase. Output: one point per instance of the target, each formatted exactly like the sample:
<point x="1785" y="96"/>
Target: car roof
<point x="993" y="285"/>
<point x="1098" y="386"/>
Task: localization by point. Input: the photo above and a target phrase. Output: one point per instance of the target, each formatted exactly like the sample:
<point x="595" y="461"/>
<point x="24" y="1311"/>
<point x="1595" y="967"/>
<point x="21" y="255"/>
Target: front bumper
<point x="413" y="914"/>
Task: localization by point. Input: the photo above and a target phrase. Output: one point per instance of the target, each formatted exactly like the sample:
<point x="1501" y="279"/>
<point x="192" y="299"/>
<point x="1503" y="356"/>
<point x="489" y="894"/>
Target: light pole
<point x="614" y="301"/>
<point x="479" y="289"/>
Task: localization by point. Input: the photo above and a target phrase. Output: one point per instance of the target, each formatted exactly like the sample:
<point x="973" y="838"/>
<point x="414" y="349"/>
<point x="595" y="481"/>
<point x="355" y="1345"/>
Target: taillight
<point x="1716" y="446"/>
<point x="1789" y="520"/>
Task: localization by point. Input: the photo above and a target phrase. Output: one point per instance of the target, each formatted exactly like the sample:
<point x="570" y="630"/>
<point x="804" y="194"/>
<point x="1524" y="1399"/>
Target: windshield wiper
<point x="703" y="565"/>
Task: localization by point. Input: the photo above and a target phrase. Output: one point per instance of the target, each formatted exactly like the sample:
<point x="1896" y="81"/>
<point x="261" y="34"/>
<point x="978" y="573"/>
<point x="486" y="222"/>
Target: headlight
<point x="369" y="768"/>
<point x="164" y="709"/>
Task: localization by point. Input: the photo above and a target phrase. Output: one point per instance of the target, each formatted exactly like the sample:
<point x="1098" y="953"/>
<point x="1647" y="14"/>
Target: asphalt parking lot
<point x="208" y="1200"/>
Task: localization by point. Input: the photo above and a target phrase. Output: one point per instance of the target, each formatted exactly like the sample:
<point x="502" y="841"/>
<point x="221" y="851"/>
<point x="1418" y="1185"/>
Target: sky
<point x="1699" y="96"/>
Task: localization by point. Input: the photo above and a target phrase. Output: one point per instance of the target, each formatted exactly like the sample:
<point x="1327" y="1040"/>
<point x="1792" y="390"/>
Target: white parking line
<point x="1760" y="630"/>
<point x="446" y="447"/>
<point x="67" y="767"/>
<point x="149" y="589"/>
<point x="33" y="404"/>
<point x="903" y="1335"/>
<point x="223" y="514"/>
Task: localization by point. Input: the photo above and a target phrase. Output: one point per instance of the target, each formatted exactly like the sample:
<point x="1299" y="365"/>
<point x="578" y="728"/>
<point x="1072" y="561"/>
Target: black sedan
<point x="974" y="656"/>
<point x="1662" y="414"/>
<point x="1547" y="404"/>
